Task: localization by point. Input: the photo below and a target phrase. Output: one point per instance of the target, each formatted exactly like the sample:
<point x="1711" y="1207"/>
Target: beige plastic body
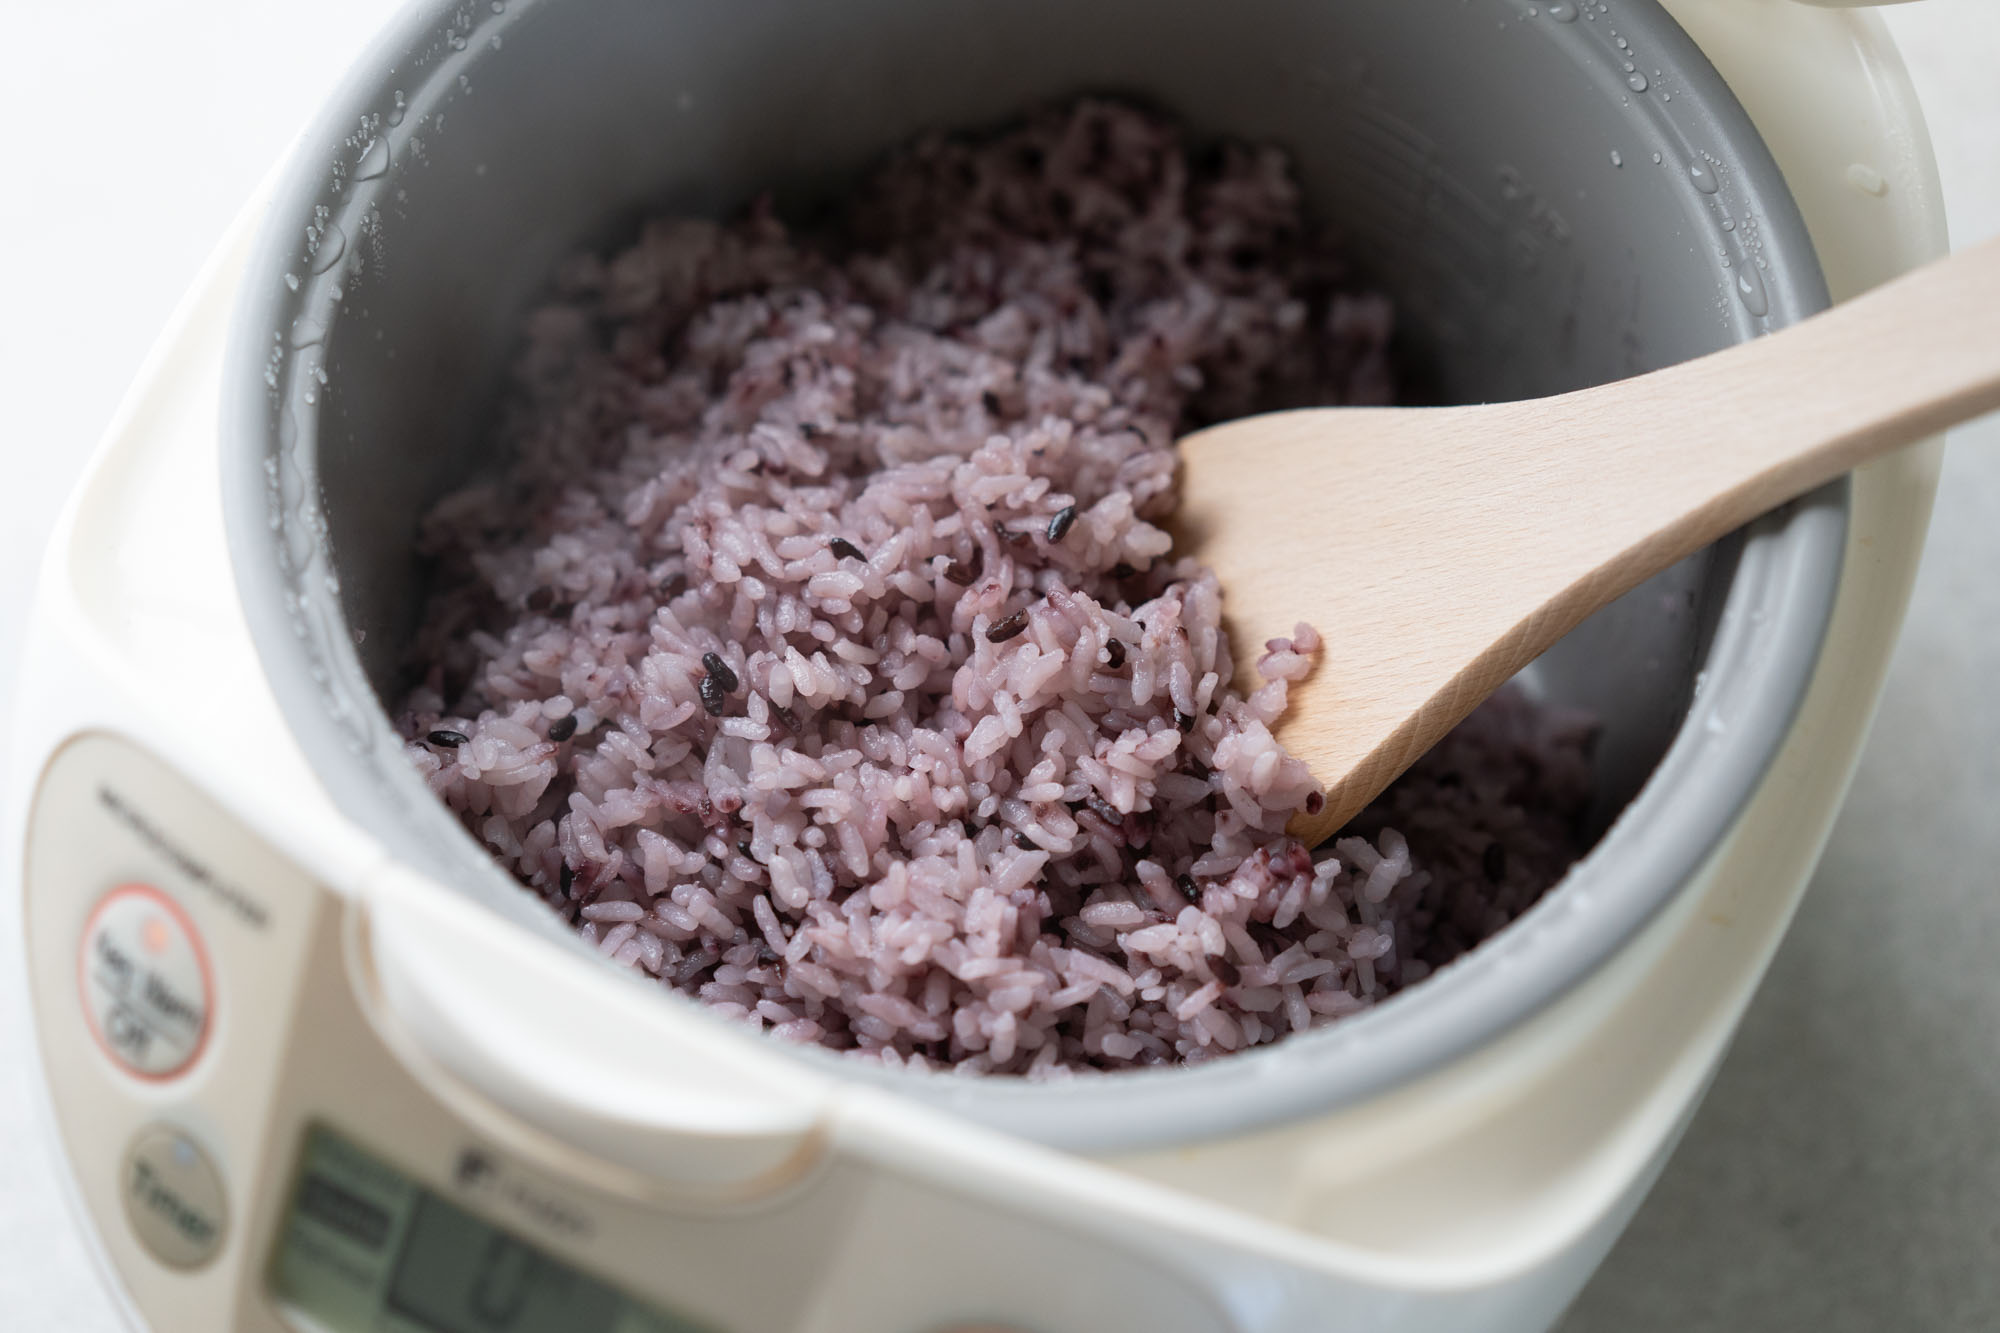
<point x="1480" y="1197"/>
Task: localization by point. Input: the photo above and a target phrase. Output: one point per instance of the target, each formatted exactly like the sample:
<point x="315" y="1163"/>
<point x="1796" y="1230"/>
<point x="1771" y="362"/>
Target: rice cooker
<point x="312" y="1062"/>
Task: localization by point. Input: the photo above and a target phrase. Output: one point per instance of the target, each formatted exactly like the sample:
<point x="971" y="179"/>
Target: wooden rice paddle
<point x="1439" y="550"/>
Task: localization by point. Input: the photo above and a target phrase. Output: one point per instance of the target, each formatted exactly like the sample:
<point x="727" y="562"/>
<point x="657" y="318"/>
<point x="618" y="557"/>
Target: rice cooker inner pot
<point x="1540" y="188"/>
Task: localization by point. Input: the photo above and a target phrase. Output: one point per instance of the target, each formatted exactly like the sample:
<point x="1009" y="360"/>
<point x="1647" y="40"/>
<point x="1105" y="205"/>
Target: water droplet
<point x="1703" y="177"/>
<point x="292" y="281"/>
<point x="1617" y="158"/>
<point x="1637" y="82"/>
<point x="1867" y="180"/>
<point x="1729" y="224"/>
<point x="395" y="116"/>
<point x="1657" y="159"/>
<point x="307" y="331"/>
<point x="311" y="396"/>
<point x="495" y="43"/>
<point x="332" y="244"/>
<point x="1630" y="67"/>
<point x="1624" y="45"/>
<point x="457" y="42"/>
<point x="1750" y="290"/>
<point x="499" y="6"/>
<point x="1562" y="11"/>
<point x="319" y="373"/>
<point x="374" y="160"/>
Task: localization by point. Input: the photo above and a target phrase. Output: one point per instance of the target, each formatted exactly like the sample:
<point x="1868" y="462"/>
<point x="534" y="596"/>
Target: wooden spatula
<point x="1439" y="550"/>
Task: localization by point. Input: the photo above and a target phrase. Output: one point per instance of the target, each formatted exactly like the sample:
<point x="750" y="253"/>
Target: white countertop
<point x="1844" y="1174"/>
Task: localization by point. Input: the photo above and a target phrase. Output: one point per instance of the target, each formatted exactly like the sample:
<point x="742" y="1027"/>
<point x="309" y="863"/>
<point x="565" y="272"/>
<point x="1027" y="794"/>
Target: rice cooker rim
<point x="1781" y="595"/>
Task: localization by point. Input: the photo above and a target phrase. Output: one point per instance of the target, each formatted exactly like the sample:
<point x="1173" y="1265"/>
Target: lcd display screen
<point x="365" y="1249"/>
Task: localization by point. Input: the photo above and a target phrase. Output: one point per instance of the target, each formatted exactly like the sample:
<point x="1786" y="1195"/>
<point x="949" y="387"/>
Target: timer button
<point x="173" y="1198"/>
<point x="145" y="981"/>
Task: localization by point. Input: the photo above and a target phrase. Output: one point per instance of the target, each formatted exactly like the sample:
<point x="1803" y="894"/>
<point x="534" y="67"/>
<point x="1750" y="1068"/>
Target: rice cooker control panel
<point x="260" y="1144"/>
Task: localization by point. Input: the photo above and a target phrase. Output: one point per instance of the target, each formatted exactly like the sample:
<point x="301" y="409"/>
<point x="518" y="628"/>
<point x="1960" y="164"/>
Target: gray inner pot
<point x="1491" y="162"/>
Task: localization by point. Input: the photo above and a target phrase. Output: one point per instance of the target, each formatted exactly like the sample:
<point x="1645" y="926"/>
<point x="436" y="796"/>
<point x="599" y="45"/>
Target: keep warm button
<point x="173" y="1198"/>
<point x="145" y="981"/>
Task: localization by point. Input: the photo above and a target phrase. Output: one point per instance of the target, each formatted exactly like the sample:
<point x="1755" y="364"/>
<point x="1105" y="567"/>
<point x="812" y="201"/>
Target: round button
<point x="145" y="982"/>
<point x="173" y="1198"/>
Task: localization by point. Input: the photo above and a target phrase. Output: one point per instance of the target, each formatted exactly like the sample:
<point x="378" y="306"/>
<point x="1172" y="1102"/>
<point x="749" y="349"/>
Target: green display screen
<point x="365" y="1249"/>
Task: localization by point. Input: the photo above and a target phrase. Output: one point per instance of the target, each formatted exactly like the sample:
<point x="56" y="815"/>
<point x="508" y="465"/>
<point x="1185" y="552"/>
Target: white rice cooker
<point x="309" y="1066"/>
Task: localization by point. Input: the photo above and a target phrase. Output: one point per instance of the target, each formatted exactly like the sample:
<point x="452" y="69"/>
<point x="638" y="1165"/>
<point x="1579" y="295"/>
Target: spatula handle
<point x="1721" y="440"/>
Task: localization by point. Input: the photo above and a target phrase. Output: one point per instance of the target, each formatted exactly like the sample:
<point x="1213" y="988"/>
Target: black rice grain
<point x="718" y="671"/>
<point x="1008" y="628"/>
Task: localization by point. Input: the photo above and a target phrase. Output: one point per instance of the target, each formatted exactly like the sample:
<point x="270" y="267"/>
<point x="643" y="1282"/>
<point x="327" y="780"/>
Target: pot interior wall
<point x="1524" y="196"/>
<point x="1465" y="153"/>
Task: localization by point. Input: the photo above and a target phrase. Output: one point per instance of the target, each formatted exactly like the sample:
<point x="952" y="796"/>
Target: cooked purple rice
<point x="857" y="374"/>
